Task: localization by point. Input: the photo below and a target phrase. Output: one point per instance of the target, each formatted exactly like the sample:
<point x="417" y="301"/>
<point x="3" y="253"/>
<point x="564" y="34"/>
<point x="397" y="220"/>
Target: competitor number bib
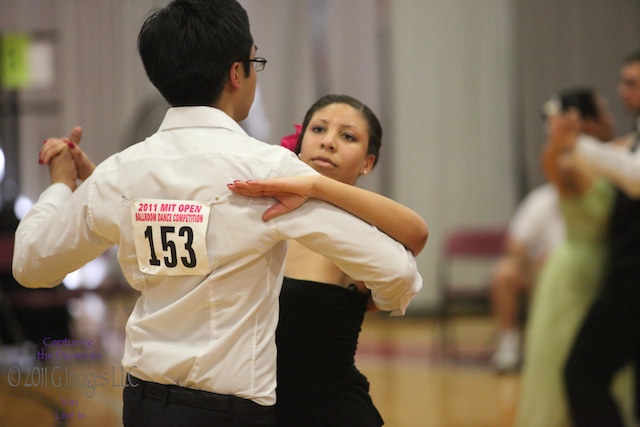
<point x="170" y="236"/>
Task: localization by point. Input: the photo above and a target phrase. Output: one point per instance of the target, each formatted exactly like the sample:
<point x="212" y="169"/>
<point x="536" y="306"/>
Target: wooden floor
<point x="412" y="383"/>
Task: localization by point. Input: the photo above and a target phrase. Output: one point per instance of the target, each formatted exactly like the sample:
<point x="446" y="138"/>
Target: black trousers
<point x="154" y="405"/>
<point x="608" y="339"/>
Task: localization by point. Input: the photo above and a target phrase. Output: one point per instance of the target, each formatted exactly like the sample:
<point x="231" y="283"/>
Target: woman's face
<point x="335" y="143"/>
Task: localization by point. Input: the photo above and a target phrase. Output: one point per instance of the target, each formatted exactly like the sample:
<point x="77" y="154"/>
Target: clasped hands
<point x="67" y="162"/>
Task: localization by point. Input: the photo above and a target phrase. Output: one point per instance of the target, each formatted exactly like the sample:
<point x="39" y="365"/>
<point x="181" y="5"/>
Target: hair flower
<point x="291" y="141"/>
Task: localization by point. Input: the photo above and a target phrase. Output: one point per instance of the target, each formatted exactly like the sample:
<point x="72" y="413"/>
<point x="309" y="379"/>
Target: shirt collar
<point x="201" y="116"/>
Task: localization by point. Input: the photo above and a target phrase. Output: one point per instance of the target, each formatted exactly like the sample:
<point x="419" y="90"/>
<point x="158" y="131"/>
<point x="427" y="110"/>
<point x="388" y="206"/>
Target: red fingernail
<point x="71" y="145"/>
<point x="44" y="142"/>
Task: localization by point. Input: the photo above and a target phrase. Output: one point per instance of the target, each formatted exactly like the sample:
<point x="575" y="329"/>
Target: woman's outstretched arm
<point x="394" y="219"/>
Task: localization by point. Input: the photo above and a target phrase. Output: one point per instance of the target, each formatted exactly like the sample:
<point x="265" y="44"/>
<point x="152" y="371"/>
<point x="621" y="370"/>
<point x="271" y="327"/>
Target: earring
<point x="364" y="172"/>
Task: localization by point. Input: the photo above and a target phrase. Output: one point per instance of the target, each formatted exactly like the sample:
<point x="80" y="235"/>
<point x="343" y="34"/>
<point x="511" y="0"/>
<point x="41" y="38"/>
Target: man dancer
<point x="200" y="342"/>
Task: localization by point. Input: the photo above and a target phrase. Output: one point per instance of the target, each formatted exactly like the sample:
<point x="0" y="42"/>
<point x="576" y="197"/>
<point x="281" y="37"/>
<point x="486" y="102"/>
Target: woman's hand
<point x="291" y="192"/>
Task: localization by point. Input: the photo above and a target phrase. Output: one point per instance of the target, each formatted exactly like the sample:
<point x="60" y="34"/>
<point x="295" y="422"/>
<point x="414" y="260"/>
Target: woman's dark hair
<point x="373" y="124"/>
<point x="583" y="99"/>
<point x="188" y="46"/>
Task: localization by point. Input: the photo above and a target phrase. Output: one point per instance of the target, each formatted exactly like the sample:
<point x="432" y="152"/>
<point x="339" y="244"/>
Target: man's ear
<point x="234" y="75"/>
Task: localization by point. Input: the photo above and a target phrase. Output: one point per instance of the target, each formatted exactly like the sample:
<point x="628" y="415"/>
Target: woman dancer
<point x="321" y="309"/>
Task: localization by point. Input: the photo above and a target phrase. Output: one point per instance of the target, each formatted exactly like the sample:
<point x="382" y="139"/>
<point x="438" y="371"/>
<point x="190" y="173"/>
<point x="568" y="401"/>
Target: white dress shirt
<point x="208" y="268"/>
<point x="537" y="222"/>
<point x="611" y="161"/>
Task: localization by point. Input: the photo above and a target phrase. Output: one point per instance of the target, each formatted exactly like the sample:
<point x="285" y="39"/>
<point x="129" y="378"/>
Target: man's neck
<point x="227" y="106"/>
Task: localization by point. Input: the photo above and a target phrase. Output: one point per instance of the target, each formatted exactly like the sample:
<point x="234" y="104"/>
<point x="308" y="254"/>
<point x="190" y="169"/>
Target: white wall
<point x="452" y="116"/>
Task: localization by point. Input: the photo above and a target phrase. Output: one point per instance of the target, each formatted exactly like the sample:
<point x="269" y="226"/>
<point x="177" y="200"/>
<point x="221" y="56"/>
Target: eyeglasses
<point x="258" y="63"/>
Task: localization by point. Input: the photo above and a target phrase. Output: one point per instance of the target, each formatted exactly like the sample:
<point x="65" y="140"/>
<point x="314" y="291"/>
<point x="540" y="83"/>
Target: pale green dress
<point x="566" y="287"/>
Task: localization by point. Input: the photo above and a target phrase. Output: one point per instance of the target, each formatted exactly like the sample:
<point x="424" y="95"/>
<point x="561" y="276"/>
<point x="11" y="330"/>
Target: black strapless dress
<point x="317" y="336"/>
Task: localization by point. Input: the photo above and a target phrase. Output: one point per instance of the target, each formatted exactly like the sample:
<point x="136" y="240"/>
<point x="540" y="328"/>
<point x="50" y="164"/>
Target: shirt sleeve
<point x="54" y="238"/>
<point x="612" y="162"/>
<point x="358" y="248"/>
